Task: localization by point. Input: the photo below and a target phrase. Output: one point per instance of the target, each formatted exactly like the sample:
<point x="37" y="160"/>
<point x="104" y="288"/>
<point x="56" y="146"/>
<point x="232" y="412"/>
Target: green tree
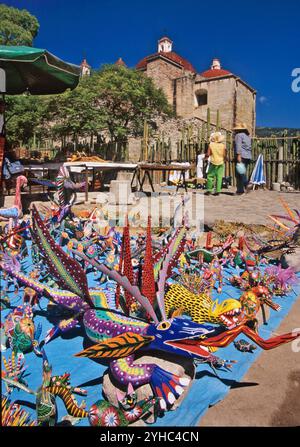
<point x="125" y="99"/>
<point x="74" y="113"/>
<point x="115" y="99"/>
<point x="25" y="119"/>
<point x="17" y="27"/>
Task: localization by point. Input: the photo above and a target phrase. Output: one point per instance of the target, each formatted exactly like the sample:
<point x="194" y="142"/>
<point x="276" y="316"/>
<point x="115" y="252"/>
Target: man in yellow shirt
<point x="217" y="153"/>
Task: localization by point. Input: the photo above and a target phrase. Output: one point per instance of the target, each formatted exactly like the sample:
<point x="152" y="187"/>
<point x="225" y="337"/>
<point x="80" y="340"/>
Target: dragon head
<point x="227" y="312"/>
<point x="176" y="336"/>
<point x="250" y="304"/>
<point x="179" y="336"/>
<point x="264" y="295"/>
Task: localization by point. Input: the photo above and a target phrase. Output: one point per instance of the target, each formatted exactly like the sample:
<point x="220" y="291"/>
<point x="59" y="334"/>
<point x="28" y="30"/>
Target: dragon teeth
<point x="171" y="398"/>
<point x="184" y="381"/>
<point x="162" y="404"/>
<point x="179" y="390"/>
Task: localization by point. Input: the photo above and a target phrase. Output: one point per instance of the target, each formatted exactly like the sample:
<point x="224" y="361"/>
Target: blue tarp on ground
<point x="205" y="391"/>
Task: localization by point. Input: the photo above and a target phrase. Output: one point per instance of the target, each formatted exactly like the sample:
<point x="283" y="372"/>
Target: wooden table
<point x="143" y="171"/>
<point x="86" y="166"/>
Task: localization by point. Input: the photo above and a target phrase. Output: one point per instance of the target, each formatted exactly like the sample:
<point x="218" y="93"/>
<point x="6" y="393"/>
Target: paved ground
<point x="249" y="208"/>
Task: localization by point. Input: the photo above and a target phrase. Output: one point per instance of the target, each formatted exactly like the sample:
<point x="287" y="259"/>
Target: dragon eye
<point x="164" y="326"/>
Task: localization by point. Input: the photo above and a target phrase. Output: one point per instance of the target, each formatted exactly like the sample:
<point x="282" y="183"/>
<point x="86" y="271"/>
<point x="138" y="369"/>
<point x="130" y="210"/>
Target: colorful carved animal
<point x="66" y="194"/>
<point x="129" y="410"/>
<point x="209" y="254"/>
<point x="118" y="336"/>
<point x="201" y="308"/>
<point x="13" y="415"/>
<point x="15" y="212"/>
<point x="14" y="370"/>
<point x="20" y="331"/>
<point x="280" y="280"/>
<point x="52" y="387"/>
<point x="229" y="313"/>
<point x="285" y="235"/>
<point x="261" y="295"/>
<point x="101" y="413"/>
<point x="244" y="346"/>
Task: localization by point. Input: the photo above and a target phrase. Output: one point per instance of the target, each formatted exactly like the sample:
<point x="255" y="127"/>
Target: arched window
<point x="201" y="97"/>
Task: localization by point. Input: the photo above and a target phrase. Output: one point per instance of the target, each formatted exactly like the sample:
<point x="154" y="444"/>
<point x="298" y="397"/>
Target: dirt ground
<point x="269" y="394"/>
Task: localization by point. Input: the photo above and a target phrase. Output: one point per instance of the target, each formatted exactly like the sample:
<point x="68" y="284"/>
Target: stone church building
<point x="191" y="93"/>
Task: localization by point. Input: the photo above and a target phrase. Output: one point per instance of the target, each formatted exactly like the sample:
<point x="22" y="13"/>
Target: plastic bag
<point x="11" y="168"/>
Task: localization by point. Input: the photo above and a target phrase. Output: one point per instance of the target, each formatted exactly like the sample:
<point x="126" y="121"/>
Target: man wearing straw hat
<point x="217" y="153"/>
<point x="243" y="156"/>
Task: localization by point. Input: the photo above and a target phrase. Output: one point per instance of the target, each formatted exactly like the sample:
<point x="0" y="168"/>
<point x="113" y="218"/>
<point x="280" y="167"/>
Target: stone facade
<point x="163" y="74"/>
<point x="191" y="93"/>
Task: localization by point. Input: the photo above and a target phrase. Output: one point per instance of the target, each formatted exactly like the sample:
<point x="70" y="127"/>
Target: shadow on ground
<point x="288" y="412"/>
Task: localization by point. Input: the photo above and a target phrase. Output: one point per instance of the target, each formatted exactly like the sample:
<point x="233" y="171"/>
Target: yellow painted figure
<point x="217" y="153"/>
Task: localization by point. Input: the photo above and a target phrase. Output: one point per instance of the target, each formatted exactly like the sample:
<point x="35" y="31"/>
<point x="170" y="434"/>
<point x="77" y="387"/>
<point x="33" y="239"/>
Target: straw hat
<point x="216" y="137"/>
<point x="220" y="138"/>
<point x="240" y="126"/>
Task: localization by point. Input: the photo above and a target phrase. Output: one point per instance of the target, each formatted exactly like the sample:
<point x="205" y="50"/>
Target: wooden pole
<point x="218" y="120"/>
<point x="208" y="123"/>
<point x="86" y="184"/>
<point x="280" y="165"/>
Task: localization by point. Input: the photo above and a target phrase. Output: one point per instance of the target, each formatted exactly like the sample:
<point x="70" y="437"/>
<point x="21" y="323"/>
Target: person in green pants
<point x="217" y="153"/>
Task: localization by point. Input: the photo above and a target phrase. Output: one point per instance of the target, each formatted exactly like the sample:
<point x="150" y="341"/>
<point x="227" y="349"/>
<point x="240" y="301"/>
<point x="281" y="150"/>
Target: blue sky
<point x="257" y="40"/>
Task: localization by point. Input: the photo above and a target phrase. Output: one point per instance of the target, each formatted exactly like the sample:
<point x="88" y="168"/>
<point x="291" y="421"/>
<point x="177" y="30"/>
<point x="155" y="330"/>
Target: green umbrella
<point x="32" y="70"/>
<point x="36" y="71"/>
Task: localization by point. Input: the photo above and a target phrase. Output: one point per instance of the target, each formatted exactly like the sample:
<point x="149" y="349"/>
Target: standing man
<point x="243" y="156"/>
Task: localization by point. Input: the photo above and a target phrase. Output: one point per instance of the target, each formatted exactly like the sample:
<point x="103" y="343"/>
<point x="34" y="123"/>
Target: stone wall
<point x="184" y="96"/>
<point x="234" y="99"/>
<point x="220" y="96"/>
<point x="170" y="129"/>
<point x="245" y="106"/>
<point x="163" y="74"/>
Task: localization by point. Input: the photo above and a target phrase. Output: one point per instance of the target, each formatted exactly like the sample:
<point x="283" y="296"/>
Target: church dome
<point x="165" y="51"/>
<point x="171" y="55"/>
<point x="215" y="70"/>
